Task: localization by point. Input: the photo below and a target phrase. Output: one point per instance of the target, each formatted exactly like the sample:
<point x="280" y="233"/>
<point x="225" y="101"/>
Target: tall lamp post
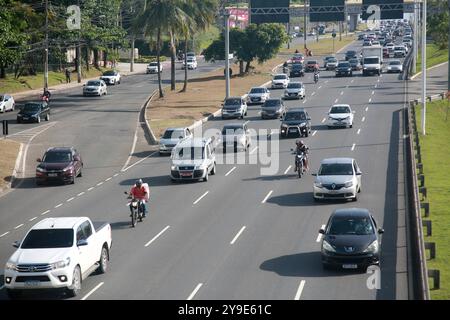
<point x="227" y="53"/>
<point x="424" y="66"/>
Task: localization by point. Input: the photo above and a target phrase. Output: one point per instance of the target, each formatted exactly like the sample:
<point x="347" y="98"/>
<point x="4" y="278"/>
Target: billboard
<point x="267" y="11"/>
<point x="382" y="9"/>
<point x="238" y="18"/>
<point x="326" y="10"/>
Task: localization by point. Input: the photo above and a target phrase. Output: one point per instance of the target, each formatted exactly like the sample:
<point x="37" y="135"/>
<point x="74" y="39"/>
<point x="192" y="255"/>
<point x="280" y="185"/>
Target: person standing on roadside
<point x="67" y="75"/>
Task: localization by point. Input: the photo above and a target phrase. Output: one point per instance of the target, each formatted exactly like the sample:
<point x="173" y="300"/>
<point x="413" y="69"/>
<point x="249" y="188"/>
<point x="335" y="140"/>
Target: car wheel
<point x="306" y="133"/>
<point x="359" y="190"/>
<point x="213" y="171"/>
<point x="103" y="262"/>
<point x="38" y="120"/>
<point x="47" y="117"/>
<point x="73" y="180"/>
<point x="206" y="178"/>
<point x="355" y="198"/>
<point x="351" y="126"/>
<point x="13" y="294"/>
<point x="75" y="287"/>
<point x="80" y="174"/>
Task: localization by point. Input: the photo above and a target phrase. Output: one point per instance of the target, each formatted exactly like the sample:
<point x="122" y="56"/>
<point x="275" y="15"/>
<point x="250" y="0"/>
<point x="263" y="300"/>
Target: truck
<point x="372" y="60"/>
<point x="58" y="253"/>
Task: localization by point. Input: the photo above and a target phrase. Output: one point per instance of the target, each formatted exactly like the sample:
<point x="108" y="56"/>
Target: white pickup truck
<point x="58" y="253"/>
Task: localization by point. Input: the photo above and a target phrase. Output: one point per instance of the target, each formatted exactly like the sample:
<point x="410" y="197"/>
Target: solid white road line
<point x="68" y="200"/>
<point x="370" y="100"/>
<point x="157" y="236"/>
<point x="314" y="133"/>
<point x="253" y="150"/>
<point x="287" y="170"/>
<point x="195" y="291"/>
<point x="323" y="120"/>
<point x="367" y="108"/>
<point x="59" y="205"/>
<point x="92" y="291"/>
<point x="2" y="235"/>
<point x="108" y="179"/>
<point x="100" y="183"/>
<point x="91" y="188"/>
<point x="232" y="169"/>
<point x="237" y="235"/>
<point x="359" y="130"/>
<point x="137" y="162"/>
<point x="300" y="290"/>
<point x="353" y="146"/>
<point x="378" y="80"/>
<point x="363" y="119"/>
<point x="80" y="194"/>
<point x="32" y="219"/>
<point x="319" y="236"/>
<point x="115" y="175"/>
<point x="45" y="212"/>
<point x="20" y="225"/>
<point x="198" y="200"/>
<point x="267" y="197"/>
<point x="335" y="101"/>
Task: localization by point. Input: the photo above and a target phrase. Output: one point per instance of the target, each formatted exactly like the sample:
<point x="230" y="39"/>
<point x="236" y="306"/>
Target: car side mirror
<point x="309" y="118"/>
<point x="38" y="160"/>
<point x="380" y="231"/>
<point x="180" y="137"/>
<point x="358" y="173"/>
<point x="321" y="231"/>
<point x="76" y="158"/>
<point x="16" y="244"/>
<point x="81" y="243"/>
<point x="314" y="174"/>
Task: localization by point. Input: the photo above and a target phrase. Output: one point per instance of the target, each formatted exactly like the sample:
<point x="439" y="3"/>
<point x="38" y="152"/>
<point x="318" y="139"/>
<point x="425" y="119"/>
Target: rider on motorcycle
<point x="301" y="147"/>
<point x="285" y="67"/>
<point x="139" y="192"/>
<point x="316" y="74"/>
<point x="46" y="95"/>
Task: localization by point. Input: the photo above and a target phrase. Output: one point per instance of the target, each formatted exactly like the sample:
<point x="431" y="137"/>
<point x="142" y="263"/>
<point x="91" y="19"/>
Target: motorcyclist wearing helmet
<point x="139" y="192"/>
<point x="46" y="95"/>
<point x="301" y="147"/>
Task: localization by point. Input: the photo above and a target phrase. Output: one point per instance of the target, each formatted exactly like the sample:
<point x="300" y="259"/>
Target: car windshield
<point x="351" y="53"/>
<point x="173" y="134"/>
<point x="297" y="66"/>
<point x="189" y="153"/>
<point x="48" y="238"/>
<point x="344" y="64"/>
<point x="353" y="61"/>
<point x="232" y="102"/>
<point x="190" y="60"/>
<point x="279" y="77"/>
<point x="93" y="83"/>
<point x="340" y="109"/>
<point x="312" y="62"/>
<point x="109" y="73"/>
<point x="332" y="60"/>
<point x="272" y="103"/>
<point x="351" y="226"/>
<point x="57" y="156"/>
<point x="394" y="63"/>
<point x="153" y="64"/>
<point x="232" y="130"/>
<point x="371" y="60"/>
<point x="294" y="116"/>
<point x="294" y="85"/>
<point x="32" y="107"/>
<point x="257" y="90"/>
<point x="336" y="169"/>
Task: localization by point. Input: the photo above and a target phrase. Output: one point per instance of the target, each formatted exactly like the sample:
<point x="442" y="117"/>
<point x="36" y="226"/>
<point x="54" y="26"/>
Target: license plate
<point x="293" y="130"/>
<point x="349" y="266"/>
<point x="32" y="283"/>
<point x="25" y="118"/>
<point x="52" y="174"/>
<point x="186" y="174"/>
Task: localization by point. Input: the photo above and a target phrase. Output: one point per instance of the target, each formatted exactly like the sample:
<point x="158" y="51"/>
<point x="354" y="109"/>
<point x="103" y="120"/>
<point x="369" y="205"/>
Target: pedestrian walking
<point x="67" y="75"/>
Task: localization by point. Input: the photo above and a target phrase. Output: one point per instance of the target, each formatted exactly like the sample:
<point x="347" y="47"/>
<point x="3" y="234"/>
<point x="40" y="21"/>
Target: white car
<point x="395" y="66"/>
<point x="235" y="137"/>
<point x="191" y="64"/>
<point x="153" y="67"/>
<point x="258" y="95"/>
<point x="340" y="115"/>
<point x="280" y="81"/>
<point x="111" y="77"/>
<point x="95" y="88"/>
<point x="6" y="103"/>
<point x="171" y="137"/>
<point x="294" y="90"/>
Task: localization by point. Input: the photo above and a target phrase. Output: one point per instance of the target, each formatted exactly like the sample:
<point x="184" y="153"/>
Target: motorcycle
<point x="136" y="210"/>
<point x="285" y="70"/>
<point x="299" y="162"/>
<point x="316" y="77"/>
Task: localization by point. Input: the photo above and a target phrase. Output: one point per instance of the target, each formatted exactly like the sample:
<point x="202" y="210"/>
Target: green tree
<point x="437" y="22"/>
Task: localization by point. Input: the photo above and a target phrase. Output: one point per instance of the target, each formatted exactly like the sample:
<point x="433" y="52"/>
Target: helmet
<point x="139" y="182"/>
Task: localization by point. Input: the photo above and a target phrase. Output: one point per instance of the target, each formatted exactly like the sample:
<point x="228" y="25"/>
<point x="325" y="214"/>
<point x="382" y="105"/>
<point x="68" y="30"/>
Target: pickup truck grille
<point x="33" y="267"/>
<point x="32" y="278"/>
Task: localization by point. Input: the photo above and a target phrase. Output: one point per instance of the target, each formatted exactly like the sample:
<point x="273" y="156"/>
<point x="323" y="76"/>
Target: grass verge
<point x="436" y="166"/>
<point x="435" y="56"/>
<point x="323" y="47"/>
<point x="8" y="151"/>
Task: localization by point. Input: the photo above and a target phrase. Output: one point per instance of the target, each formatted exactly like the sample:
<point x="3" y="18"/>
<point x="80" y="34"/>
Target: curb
<point x="430" y="68"/>
<point x="16" y="166"/>
<point x="143" y="116"/>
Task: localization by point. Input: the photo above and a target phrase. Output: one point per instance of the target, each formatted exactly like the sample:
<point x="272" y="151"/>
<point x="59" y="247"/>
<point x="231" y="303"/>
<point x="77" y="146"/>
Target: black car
<point x="34" y="112"/>
<point x="351" y="240"/>
<point x="344" y="69"/>
<point x="59" y="164"/>
<point x="350" y="54"/>
<point x="297" y="70"/>
<point x="272" y="108"/>
<point x="296" y="121"/>
<point x="355" y="64"/>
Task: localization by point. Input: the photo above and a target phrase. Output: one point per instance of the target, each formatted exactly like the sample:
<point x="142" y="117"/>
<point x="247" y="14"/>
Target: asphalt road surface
<point x="242" y="234"/>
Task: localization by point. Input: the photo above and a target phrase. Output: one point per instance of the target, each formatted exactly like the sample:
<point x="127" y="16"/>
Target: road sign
<point x="382" y="9"/>
<point x="269" y="11"/>
<point x="333" y="34"/>
<point x="326" y="10"/>
<point x="230" y="56"/>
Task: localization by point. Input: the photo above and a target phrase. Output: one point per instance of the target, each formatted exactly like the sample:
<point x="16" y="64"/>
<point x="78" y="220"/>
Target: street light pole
<point x="304" y="23"/>
<point x="46" y="47"/>
<point x="227" y="54"/>
<point x="424" y="66"/>
<point x="79" y="51"/>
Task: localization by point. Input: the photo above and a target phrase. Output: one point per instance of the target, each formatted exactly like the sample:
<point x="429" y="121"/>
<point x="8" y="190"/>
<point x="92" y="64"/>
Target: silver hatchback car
<point x="337" y="178"/>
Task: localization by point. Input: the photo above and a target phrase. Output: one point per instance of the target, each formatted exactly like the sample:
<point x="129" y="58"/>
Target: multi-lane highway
<point x="241" y="235"/>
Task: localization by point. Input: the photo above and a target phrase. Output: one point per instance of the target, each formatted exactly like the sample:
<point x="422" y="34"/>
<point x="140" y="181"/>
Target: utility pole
<point x="416" y="37"/>
<point x="304" y="23"/>
<point x="79" y="52"/>
<point x="46" y="47"/>
<point x="424" y="66"/>
<point x="227" y="53"/>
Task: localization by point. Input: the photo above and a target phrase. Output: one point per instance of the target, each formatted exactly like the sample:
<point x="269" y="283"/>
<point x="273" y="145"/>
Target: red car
<point x="298" y="58"/>
<point x="312" y="65"/>
<point x="61" y="164"/>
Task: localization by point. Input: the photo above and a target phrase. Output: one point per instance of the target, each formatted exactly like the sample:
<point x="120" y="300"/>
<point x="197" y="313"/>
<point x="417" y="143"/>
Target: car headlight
<point x="40" y="169"/>
<point x="327" y="247"/>
<point x="303" y="124"/>
<point x="60" y="264"/>
<point x="330" y="118"/>
<point x="200" y="167"/>
<point x="318" y="184"/>
<point x="163" y="146"/>
<point x="348" y="184"/>
<point x="365" y="68"/>
<point x="10" y="266"/>
<point x="173" y="168"/>
<point x="68" y="169"/>
<point x="347" y="118"/>
<point x="373" y="247"/>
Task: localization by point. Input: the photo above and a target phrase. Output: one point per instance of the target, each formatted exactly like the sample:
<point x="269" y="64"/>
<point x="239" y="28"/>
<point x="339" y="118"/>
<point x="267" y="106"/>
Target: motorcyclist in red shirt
<point x="139" y="192"/>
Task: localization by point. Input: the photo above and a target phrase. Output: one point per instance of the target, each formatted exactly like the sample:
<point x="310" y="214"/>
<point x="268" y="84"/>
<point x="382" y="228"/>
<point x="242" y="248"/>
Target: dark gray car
<point x="272" y="108"/>
<point x="296" y="121"/>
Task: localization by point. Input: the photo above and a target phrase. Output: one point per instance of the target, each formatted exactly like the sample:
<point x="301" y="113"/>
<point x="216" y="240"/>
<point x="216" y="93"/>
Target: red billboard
<point x="238" y="18"/>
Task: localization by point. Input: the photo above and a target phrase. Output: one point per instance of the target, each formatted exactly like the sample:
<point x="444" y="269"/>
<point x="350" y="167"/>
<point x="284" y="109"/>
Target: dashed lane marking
<point x="195" y="291"/>
<point x="267" y="197"/>
<point x="204" y="195"/>
<point x="300" y="290"/>
<point x="237" y="235"/>
<point x="232" y="169"/>
<point x="157" y="236"/>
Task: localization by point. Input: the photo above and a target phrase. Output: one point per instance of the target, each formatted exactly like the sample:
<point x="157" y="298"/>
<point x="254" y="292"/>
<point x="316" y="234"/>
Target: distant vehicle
<point x="372" y="60"/>
<point x="59" y="164"/>
<point x="191" y="64"/>
<point x="350" y="54"/>
<point x="340" y="115"/>
<point x="325" y="60"/>
<point x="297" y="70"/>
<point x="234" y="107"/>
<point x="280" y="81"/>
<point x="193" y="159"/>
<point x="355" y="64"/>
<point x="95" y="88"/>
<point x="236" y="136"/>
<point x="171" y="137"/>
<point x="272" y="108"/>
<point x="7" y="103"/>
<point x="296" y="121"/>
<point x="298" y="58"/>
<point x="111" y="77"/>
<point x="312" y="65"/>
<point x="375" y="43"/>
<point x="344" y="69"/>
<point x="337" y="178"/>
<point x="58" y="253"/>
<point x="367" y="43"/>
<point x="395" y="66"/>
<point x="399" y="52"/>
<point x="191" y="55"/>
<point x="258" y="95"/>
<point x="361" y="36"/>
<point x="34" y="112"/>
<point x="331" y="63"/>
<point x="351" y="240"/>
<point x="153" y="67"/>
<point x="294" y="90"/>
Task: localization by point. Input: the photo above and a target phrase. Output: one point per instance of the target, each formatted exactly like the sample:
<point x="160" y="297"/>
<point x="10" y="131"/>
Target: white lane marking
<point x="91" y="188"/>
<point x="45" y="212"/>
<point x="68" y="200"/>
<point x="342" y="93"/>
<point x="313" y="94"/>
<point x="367" y="108"/>
<point x="378" y="80"/>
<point x="304" y="101"/>
<point x="373" y="92"/>
<point x="157" y="236"/>
<point x="353" y="146"/>
<point x="198" y="200"/>
<point x="319" y="236"/>
<point x="300" y="290"/>
<point x="320" y="87"/>
<point x="359" y="130"/>
<point x="326" y="81"/>
<point x="59" y="205"/>
<point x="20" y="225"/>
<point x="237" y="235"/>
<point x="115" y="175"/>
<point x="376" y="85"/>
<point x="246" y="122"/>
<point x="381" y="76"/>
<point x="352" y="80"/>
<point x="253" y="150"/>
<point x="100" y="183"/>
<point x="32" y="219"/>
<point x="335" y="101"/>
<point x="4" y="234"/>
<point x="232" y="169"/>
<point x="92" y="291"/>
<point x="314" y="133"/>
<point x="137" y="162"/>
<point x="80" y="194"/>
<point x="195" y="291"/>
<point x="267" y="197"/>
<point x="363" y="119"/>
<point x="287" y="170"/>
<point x="133" y="146"/>
<point x="370" y="100"/>
<point x="323" y="120"/>
<point x="108" y="179"/>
